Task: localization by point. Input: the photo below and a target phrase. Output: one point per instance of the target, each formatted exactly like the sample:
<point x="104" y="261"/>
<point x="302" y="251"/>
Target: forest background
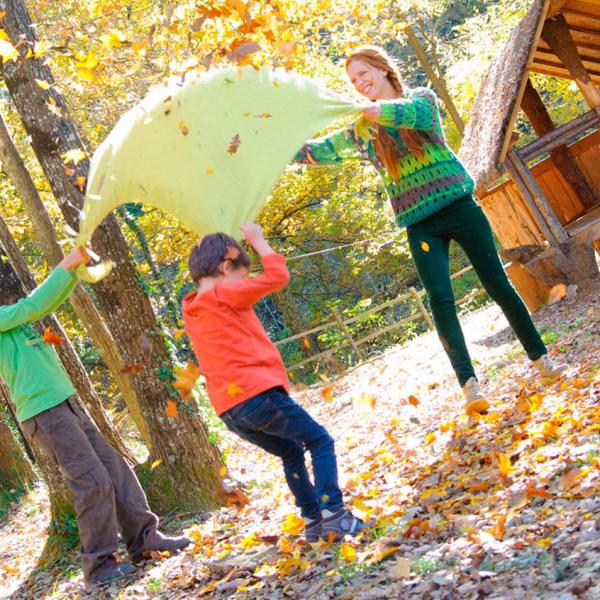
<point x="90" y="62"/>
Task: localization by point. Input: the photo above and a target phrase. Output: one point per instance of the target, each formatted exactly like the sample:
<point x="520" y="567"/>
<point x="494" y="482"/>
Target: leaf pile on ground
<point x="504" y="505"/>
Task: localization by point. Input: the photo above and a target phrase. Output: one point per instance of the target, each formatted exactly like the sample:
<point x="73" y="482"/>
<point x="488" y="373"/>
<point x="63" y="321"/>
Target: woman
<point x="432" y="196"/>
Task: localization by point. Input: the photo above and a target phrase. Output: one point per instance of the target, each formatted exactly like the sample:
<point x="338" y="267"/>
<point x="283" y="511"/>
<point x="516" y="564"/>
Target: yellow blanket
<point x="208" y="150"/>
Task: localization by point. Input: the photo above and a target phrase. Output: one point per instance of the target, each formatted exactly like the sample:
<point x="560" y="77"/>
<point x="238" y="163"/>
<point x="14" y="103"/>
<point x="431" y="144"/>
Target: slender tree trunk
<point x="15" y="469"/>
<point x="15" y="168"/>
<point x="167" y="294"/>
<point x="189" y="470"/>
<point x="294" y="319"/>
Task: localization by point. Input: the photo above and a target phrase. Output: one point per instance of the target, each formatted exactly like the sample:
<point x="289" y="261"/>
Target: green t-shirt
<point x="28" y="365"/>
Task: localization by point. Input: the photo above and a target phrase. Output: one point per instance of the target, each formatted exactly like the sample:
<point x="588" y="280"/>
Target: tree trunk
<point x="15" y="469"/>
<point x="167" y="294"/>
<point x="565" y="162"/>
<point x="189" y="472"/>
<point x="293" y="318"/>
<point x="14" y="167"/>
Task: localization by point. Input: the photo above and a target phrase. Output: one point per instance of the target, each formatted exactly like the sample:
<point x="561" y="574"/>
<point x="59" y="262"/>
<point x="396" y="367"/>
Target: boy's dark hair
<point x="211" y="251"/>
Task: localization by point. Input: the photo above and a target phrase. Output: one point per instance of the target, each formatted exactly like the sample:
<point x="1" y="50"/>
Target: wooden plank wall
<point x="508" y="213"/>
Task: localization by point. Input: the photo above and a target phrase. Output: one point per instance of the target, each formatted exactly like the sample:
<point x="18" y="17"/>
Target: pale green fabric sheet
<point x="171" y="150"/>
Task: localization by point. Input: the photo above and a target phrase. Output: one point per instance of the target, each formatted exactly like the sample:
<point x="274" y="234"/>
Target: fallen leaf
<point x="400" y="568"/>
<point x="52" y="337"/>
<point x="413" y="401"/>
<point x="347" y="552"/>
<point x="425" y="246"/>
<point x="183" y="128"/>
<point x="234" y="144"/>
<point x="155" y="464"/>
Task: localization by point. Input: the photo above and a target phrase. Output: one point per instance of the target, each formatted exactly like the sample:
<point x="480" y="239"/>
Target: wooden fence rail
<point x="354" y="343"/>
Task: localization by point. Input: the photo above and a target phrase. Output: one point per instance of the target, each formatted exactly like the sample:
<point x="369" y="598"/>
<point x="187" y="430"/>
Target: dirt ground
<point x="502" y="506"/>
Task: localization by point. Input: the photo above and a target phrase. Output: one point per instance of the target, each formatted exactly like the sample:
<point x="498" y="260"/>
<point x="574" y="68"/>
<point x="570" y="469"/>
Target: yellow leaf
<point x="210" y="171"/>
<point x="186" y="377"/>
<point x="40" y="48"/>
<point x="293" y="525"/>
<point x="155" y="464"/>
<point x="233" y="389"/>
<point x="347" y="552"/>
<point x="425" y="246"/>
<point x="545" y="542"/>
<point x="3" y="34"/>
<point x="178" y="334"/>
<point x="112" y="39"/>
<point x="249" y="542"/>
<point x="183" y="127"/>
<point x="246" y="114"/>
<point x="75" y="156"/>
<point x="223" y="471"/>
<point x="504" y="464"/>
<point x="8" y="51"/>
<point x="499" y="527"/>
<point x="430" y="437"/>
<point x="80" y="183"/>
<point x="53" y="107"/>
<point x="43" y="84"/>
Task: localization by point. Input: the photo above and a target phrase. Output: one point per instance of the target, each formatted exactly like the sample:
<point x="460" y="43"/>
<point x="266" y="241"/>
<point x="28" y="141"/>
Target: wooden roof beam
<point x="557" y="35"/>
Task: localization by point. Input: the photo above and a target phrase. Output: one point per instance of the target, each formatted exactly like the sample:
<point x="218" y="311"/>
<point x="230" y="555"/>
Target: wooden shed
<point x="547" y="213"/>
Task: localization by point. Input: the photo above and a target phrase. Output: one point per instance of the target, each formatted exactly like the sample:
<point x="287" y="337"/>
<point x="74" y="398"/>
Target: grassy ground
<point x="504" y="506"/>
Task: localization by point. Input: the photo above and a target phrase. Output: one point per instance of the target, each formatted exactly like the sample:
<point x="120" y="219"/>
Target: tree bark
<point x="14" y="167"/>
<point x="533" y="106"/>
<point x="189" y="470"/>
<point x="293" y="318"/>
<point x="15" y="469"/>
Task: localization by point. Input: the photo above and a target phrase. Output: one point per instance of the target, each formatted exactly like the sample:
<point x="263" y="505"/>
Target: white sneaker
<point x="476" y="402"/>
<point x="549" y="370"/>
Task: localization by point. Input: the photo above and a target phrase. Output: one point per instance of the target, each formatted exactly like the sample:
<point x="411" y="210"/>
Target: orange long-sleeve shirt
<point x="233" y="349"/>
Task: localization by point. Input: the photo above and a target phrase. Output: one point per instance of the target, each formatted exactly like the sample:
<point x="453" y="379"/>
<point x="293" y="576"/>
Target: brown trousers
<point x="108" y="495"/>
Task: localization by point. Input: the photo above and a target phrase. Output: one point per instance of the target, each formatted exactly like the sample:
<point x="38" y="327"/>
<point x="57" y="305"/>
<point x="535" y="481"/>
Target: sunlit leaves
<point x="293" y="525"/>
<point x="186" y="378"/>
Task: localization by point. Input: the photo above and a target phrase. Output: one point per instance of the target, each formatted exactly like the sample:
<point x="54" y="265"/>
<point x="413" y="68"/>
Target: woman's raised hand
<point x="372" y="113"/>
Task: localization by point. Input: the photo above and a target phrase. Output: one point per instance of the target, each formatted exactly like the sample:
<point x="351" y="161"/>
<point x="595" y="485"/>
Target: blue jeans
<point x="277" y="424"/>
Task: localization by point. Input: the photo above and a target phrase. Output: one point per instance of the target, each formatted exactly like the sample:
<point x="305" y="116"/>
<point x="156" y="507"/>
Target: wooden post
<point x="533" y="106"/>
<point x="438" y="84"/>
<point x="529" y="197"/>
<point x="424" y="312"/>
<point x="342" y="326"/>
<point x="557" y="35"/>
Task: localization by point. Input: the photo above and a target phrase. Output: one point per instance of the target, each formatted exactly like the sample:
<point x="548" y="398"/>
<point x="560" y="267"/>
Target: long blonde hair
<point x="385" y="145"/>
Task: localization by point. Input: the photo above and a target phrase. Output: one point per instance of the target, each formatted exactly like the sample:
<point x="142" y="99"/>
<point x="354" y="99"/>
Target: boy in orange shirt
<point x="247" y="381"/>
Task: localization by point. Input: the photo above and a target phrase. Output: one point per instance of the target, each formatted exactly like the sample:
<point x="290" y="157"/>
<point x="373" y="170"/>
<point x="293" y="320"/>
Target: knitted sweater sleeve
<point x="420" y="111"/>
<point x="331" y="149"/>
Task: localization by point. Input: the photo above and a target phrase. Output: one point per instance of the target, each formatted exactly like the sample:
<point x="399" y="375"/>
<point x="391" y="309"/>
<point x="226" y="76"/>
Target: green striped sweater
<point x="427" y="183"/>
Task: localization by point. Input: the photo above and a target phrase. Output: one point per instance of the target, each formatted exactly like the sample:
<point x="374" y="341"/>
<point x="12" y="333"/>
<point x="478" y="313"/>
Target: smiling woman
<point x="431" y="195"/>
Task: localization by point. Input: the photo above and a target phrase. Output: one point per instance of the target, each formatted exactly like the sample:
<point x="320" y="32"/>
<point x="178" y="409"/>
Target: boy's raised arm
<point x="246" y="292"/>
<point x="47" y="297"/>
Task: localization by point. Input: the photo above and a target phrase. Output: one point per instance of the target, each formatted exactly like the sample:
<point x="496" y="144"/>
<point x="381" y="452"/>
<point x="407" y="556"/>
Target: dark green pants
<point x="464" y="222"/>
